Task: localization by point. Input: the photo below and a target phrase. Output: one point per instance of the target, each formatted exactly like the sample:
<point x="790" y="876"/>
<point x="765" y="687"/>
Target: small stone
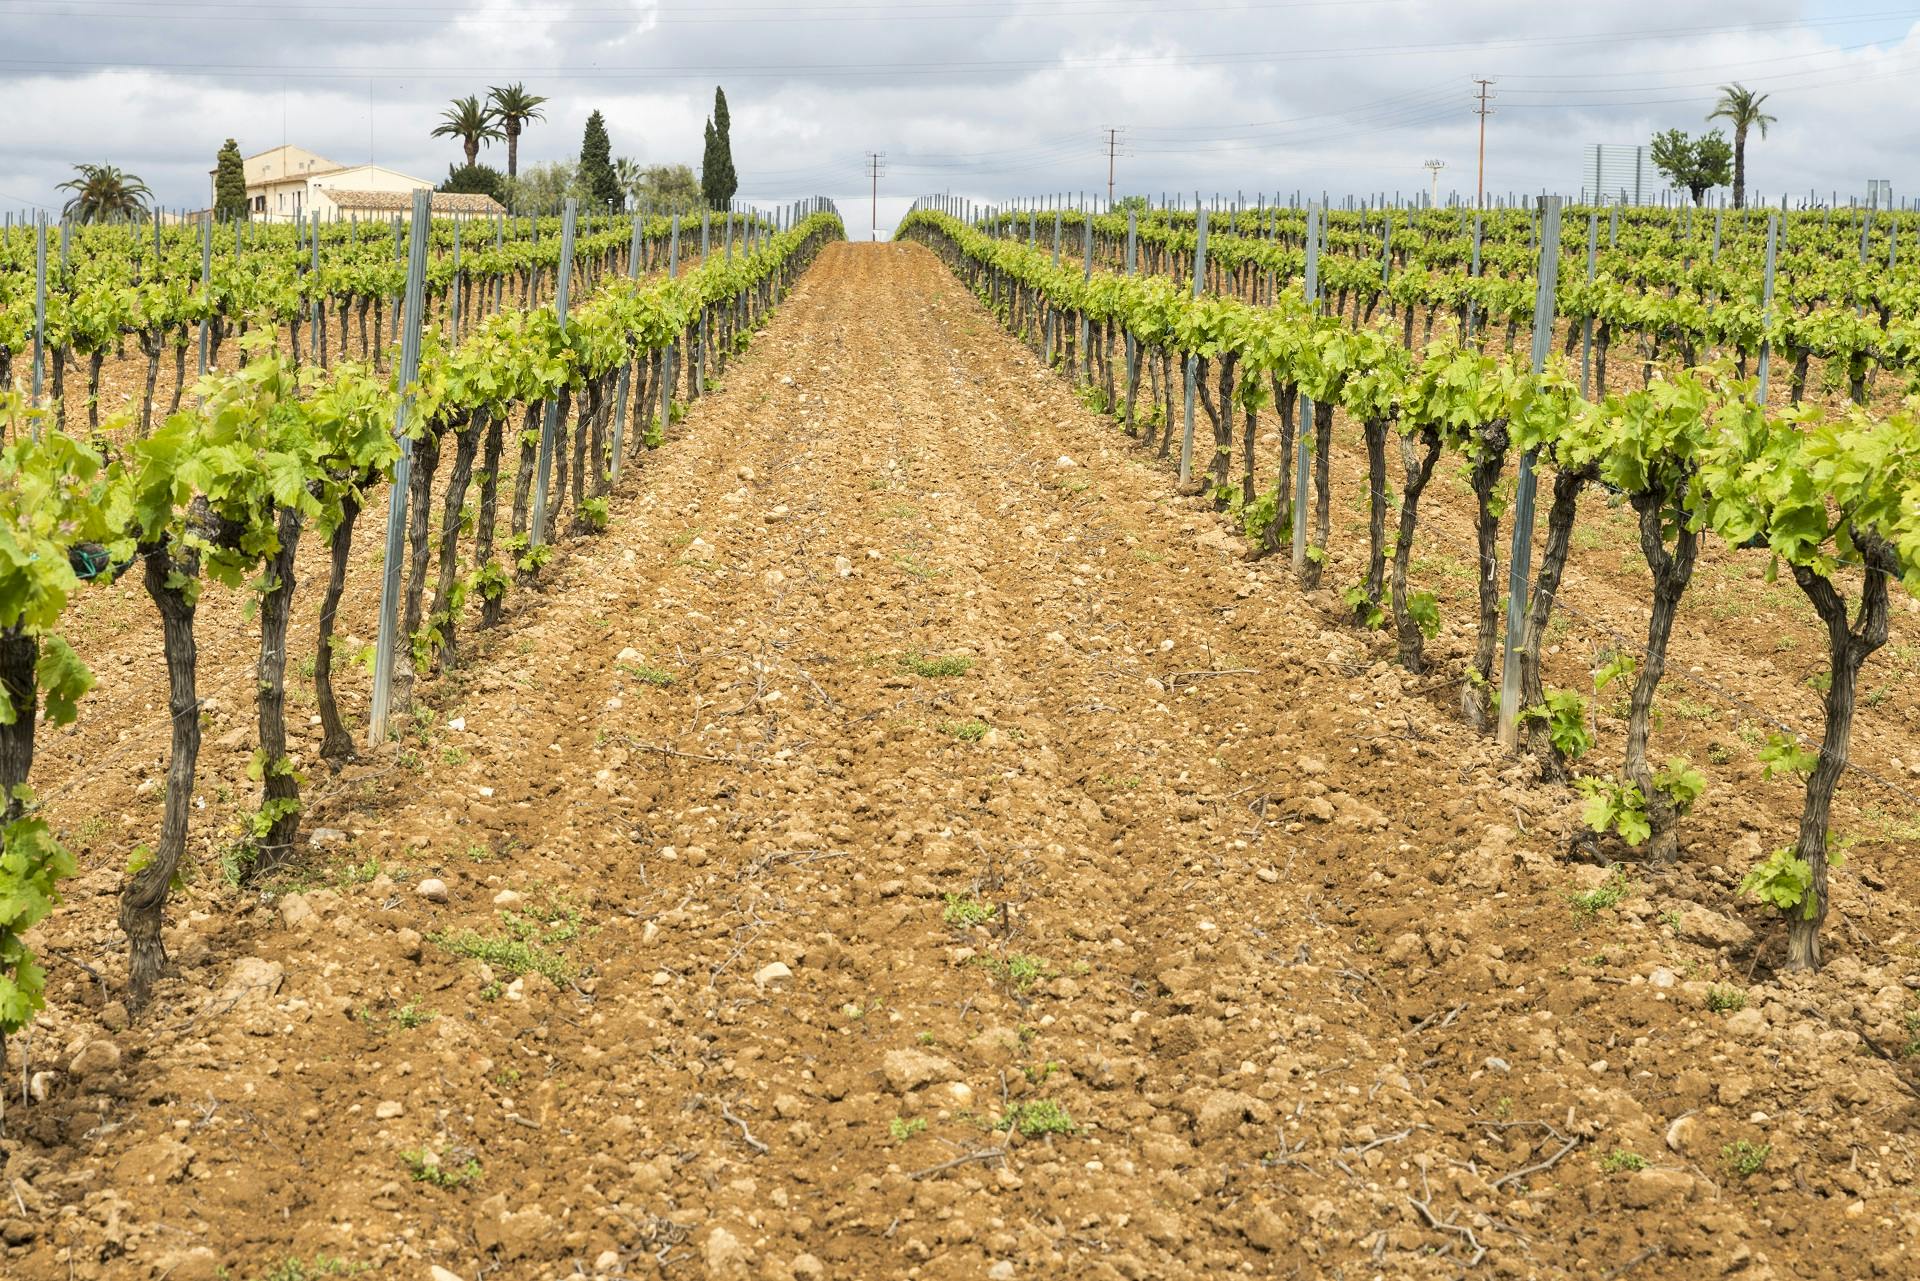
<point x="233" y="740"/>
<point x="1648" y="1188"/>
<point x="387" y="1109"/>
<point x="725" y="1255"/>
<point x="433" y="889"/>
<point x="508" y="898"/>
<point x="517" y="990"/>
<point x="295" y="911"/>
<point x="776" y="973"/>
<point x="1266" y="1229"/>
<point x="606" y="1261"/>
<point x="458" y="722"/>
<point x="1497" y="1064"/>
<point x="94" y="1058"/>
<point x="806" y="1268"/>
<point x="40" y="1088"/>
<point x="1746" y="1023"/>
<point x="197" y="1263"/>
<point x="114" y="1016"/>
<point x="1710" y="929"/>
<point x="1662" y="977"/>
<point x="1064" y="461"/>
<point x="1221" y="1113"/>
<point x="437" y="1273"/>
<point x="908" y="1070"/>
<point x="408" y="943"/>
<point x="321" y="838"/>
<point x="1270" y="875"/>
<point x="1000" y="1271"/>
<point x="1683" y="1135"/>
<point x="627" y="655"/>
<point x="844" y="568"/>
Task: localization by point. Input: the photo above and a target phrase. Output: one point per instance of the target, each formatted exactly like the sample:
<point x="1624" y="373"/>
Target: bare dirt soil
<point x="912" y="843"/>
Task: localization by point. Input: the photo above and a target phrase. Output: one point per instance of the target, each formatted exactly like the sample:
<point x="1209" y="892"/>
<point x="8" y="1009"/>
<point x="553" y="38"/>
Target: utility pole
<point x="1483" y="111"/>
<point x="1113" y="149"/>
<point x="876" y="168"/>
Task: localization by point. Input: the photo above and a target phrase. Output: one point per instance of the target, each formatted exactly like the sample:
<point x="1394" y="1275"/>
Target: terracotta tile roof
<point x="402" y="201"/>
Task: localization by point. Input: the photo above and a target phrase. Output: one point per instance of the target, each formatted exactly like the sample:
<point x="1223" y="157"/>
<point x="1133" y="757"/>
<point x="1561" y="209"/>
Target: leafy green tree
<point x="1739" y="106"/>
<point x="718" y="181"/>
<point x="544" y="188"/>
<point x="514" y="108"/>
<point x="102" y="192"/>
<point x="596" y="164"/>
<point x="471" y="123"/>
<point x="667" y="189"/>
<point x="1697" y="164"/>
<point x="230" y="184"/>
<point x="476" y="180"/>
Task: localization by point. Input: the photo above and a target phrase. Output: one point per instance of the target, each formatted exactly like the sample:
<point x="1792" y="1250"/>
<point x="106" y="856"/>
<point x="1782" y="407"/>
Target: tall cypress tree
<point x="230" y="183"/>
<point x="596" y="163"/>
<point x="718" y="182"/>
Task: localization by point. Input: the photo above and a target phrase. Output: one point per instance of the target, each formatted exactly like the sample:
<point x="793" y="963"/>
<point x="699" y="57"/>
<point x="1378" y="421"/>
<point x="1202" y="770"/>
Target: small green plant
<point x="1745" y="1158"/>
<point x="1725" y="1000"/>
<point x="1782" y="880"/>
<point x="1565" y="715"/>
<point x="1619" y="806"/>
<point x="1424" y="610"/>
<point x="1604" y="895"/>
<point x="1620" y="1160"/>
<point x="1037" y="1118"/>
<point x="513" y="955"/>
<point x="1020" y="970"/>
<point x="900" y="1129"/>
<point x="1367" y="612"/>
<point x="593" y="513"/>
<point x="412" y="1015"/>
<point x="647" y="675"/>
<point x="1782" y="755"/>
<point x="1617" y="667"/>
<point x="967" y="731"/>
<point x="935" y="668"/>
<point x="964" y="911"/>
<point x="1912" y="1047"/>
<point x="294" y="1268"/>
<point x="453" y="755"/>
<point x="429" y="1166"/>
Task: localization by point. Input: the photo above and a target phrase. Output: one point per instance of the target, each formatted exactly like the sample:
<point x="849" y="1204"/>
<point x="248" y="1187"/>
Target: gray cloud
<point x="987" y="98"/>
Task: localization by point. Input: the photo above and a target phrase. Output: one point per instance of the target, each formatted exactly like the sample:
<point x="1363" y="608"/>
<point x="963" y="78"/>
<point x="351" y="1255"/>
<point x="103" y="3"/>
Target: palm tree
<point x="102" y="192"/>
<point x="513" y="107"/>
<point x="631" y="178"/>
<point x="1739" y="106"/>
<point x="471" y="123"/>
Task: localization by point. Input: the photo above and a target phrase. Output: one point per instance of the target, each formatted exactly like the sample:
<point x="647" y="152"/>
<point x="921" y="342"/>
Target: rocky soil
<point x="913" y="843"/>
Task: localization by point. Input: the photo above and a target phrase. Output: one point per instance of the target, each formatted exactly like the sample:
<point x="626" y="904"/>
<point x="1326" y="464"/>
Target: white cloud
<point x="990" y="100"/>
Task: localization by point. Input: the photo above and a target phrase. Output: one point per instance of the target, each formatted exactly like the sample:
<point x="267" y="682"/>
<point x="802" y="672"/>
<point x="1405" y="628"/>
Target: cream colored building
<point x="359" y="179"/>
<point x="277" y="182"/>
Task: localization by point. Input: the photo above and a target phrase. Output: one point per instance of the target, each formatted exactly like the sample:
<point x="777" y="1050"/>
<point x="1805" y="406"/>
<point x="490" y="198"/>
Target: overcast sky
<point x="986" y="98"/>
